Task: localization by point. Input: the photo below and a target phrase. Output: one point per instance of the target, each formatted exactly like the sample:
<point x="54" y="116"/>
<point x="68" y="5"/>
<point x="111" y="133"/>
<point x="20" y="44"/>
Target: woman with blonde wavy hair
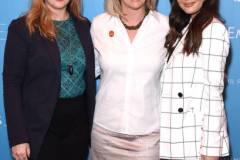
<point x="129" y="47"/>
<point x="49" y="85"/>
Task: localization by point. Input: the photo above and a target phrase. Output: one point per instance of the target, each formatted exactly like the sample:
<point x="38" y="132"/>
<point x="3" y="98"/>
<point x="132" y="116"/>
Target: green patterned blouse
<point x="73" y="60"/>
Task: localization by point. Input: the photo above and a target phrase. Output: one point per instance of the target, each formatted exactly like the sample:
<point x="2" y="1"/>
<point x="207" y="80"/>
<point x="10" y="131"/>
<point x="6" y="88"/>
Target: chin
<point x="137" y="7"/>
<point x="59" y="6"/>
<point x="190" y="12"/>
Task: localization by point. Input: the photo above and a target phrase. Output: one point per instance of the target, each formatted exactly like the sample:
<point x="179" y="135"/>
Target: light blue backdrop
<point x="230" y="10"/>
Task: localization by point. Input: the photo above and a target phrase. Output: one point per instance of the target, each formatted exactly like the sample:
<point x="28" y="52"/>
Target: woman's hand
<point x="21" y="151"/>
<point x="209" y="158"/>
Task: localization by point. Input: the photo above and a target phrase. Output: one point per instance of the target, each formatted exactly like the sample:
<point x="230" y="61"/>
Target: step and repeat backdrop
<point x="230" y="11"/>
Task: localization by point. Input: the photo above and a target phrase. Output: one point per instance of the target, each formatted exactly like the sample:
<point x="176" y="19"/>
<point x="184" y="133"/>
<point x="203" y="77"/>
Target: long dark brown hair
<point x="178" y="20"/>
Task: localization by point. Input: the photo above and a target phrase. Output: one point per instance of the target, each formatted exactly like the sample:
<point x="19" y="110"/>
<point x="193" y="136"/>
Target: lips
<point x="190" y="4"/>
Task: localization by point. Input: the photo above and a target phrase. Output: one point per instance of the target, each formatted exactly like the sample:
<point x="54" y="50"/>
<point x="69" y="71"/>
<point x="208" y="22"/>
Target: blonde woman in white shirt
<point x="129" y="46"/>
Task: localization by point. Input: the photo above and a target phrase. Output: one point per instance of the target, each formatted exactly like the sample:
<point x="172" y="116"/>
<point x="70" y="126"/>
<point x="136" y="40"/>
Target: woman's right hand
<point x="21" y="151"/>
<point x="209" y="158"/>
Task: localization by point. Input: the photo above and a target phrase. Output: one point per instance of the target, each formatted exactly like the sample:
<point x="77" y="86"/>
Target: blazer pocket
<point x="195" y="99"/>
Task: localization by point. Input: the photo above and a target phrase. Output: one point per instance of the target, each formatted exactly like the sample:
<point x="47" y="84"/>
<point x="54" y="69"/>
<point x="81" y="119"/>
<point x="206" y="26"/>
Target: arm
<point x="13" y="77"/>
<point x="97" y="66"/>
<point x="214" y="51"/>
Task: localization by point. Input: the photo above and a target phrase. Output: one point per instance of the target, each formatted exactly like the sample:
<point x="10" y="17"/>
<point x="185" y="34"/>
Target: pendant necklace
<point x="70" y="63"/>
<point x="70" y="69"/>
<point x="61" y="25"/>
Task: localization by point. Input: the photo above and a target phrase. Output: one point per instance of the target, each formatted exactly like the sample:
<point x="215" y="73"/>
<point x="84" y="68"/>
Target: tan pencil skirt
<point x="107" y="145"/>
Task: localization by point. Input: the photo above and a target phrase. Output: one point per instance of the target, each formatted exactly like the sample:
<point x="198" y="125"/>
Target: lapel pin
<point x="111" y="33"/>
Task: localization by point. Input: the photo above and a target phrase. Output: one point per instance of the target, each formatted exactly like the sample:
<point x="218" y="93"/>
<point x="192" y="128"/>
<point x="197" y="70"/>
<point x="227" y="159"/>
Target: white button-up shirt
<point x="128" y="98"/>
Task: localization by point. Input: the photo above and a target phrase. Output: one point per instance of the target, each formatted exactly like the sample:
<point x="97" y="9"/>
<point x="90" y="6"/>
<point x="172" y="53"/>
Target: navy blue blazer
<point x="31" y="78"/>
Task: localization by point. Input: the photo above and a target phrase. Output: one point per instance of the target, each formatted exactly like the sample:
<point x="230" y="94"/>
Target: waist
<point x="103" y="130"/>
<point x="77" y="100"/>
<point x="132" y="120"/>
<point x="72" y="85"/>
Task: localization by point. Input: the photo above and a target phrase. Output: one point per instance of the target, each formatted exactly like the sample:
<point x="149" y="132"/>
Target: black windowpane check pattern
<point x="193" y="121"/>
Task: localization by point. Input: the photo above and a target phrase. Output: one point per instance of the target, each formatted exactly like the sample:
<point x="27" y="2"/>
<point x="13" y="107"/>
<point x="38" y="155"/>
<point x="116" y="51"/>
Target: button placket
<point x="180" y="95"/>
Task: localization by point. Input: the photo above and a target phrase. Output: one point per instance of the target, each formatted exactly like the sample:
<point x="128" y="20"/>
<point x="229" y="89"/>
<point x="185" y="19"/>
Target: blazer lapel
<point x="179" y="45"/>
<point x="82" y="34"/>
<point x="53" y="51"/>
<point x="176" y="51"/>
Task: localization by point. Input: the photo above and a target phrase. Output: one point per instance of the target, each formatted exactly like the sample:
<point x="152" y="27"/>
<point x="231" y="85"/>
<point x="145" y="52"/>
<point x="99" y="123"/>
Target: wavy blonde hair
<point x="39" y="17"/>
<point x="113" y="7"/>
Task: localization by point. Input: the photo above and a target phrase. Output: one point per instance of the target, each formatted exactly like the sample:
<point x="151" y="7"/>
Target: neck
<point x="194" y="15"/>
<point x="132" y="17"/>
<point x="59" y="14"/>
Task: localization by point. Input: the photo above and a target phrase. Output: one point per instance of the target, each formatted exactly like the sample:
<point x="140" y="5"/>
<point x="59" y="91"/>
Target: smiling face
<point x="133" y="4"/>
<point x="190" y="7"/>
<point x="57" y="4"/>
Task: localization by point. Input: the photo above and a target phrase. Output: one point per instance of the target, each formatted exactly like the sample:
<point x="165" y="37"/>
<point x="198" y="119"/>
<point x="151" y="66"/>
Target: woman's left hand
<point x="209" y="158"/>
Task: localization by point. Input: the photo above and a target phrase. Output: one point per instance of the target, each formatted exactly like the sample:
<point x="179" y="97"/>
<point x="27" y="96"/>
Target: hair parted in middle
<point x="113" y="7"/>
<point x="178" y="20"/>
<point x="39" y="17"/>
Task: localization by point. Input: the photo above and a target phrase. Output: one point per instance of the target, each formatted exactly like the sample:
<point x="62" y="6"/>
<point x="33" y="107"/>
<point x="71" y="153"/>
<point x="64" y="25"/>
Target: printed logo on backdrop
<point x="3" y="30"/>
<point x="1" y="121"/>
<point x="234" y="32"/>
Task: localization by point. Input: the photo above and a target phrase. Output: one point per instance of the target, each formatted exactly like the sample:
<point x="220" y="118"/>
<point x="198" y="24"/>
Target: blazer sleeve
<point x="214" y="52"/>
<point x="13" y="79"/>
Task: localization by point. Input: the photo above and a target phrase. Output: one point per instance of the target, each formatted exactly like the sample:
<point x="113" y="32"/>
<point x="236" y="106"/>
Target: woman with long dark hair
<point x="193" y="121"/>
<point x="49" y="82"/>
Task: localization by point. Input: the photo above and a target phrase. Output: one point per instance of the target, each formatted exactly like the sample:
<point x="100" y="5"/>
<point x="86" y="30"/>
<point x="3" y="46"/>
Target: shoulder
<point x="216" y="29"/>
<point x="18" y="24"/>
<point x="83" y="21"/>
<point x="215" y="39"/>
<point x="102" y="18"/>
<point x="100" y="22"/>
<point x="18" y="27"/>
<point x="162" y="19"/>
<point x="159" y="16"/>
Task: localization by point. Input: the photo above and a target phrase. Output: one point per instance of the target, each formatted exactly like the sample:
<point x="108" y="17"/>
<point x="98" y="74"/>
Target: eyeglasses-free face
<point x="190" y="6"/>
<point x="133" y="4"/>
<point x="57" y="4"/>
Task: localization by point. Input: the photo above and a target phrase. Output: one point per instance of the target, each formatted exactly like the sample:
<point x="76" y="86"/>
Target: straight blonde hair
<point x="113" y="7"/>
<point x="39" y="17"/>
